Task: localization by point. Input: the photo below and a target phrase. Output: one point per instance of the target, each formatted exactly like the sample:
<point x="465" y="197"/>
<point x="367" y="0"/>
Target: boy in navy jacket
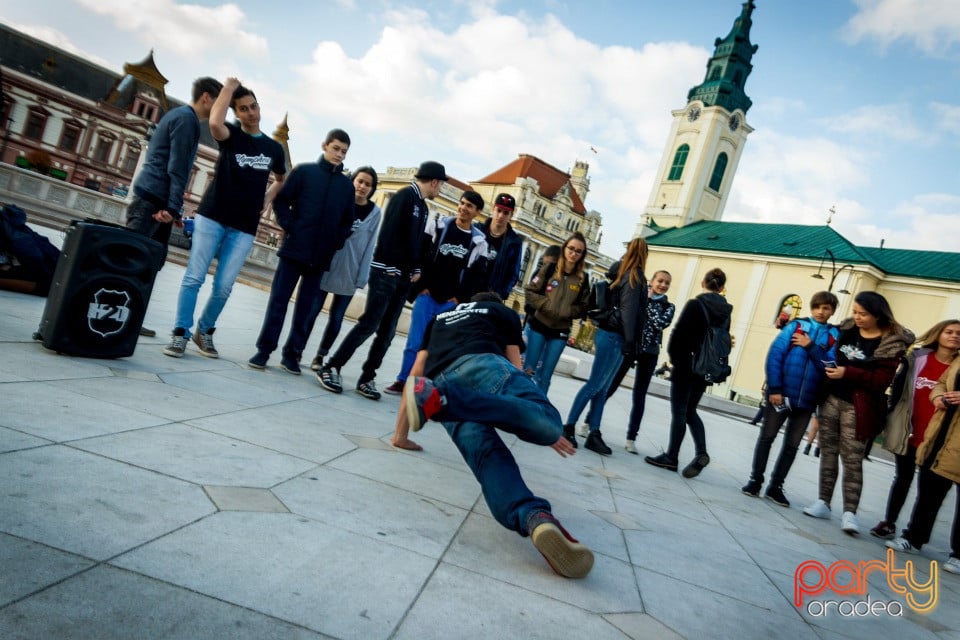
<point x="795" y="374"/>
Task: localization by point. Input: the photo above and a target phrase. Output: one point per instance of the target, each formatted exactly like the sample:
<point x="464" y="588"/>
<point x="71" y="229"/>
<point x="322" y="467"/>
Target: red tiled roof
<point x="550" y="179"/>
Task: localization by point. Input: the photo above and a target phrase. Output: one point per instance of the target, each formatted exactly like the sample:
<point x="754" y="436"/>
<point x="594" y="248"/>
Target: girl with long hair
<point x="557" y="294"/>
<point x="869" y="350"/>
<point x="912" y="410"/>
<point x="686" y="388"/>
<point x="616" y="338"/>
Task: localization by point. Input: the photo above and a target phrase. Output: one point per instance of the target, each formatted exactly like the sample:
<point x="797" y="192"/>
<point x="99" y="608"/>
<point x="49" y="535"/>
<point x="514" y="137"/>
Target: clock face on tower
<point x="693" y="114"/>
<point x="734" y="122"/>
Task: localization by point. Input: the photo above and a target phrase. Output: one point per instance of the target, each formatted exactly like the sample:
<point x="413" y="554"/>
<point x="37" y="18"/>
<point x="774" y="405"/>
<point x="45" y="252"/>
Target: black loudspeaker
<point x="100" y="291"/>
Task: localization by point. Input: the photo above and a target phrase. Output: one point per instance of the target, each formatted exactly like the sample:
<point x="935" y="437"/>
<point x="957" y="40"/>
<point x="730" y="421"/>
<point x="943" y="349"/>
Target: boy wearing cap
<point x="452" y="272"/>
<point x="504" y="247"/>
<point x="395" y="266"/>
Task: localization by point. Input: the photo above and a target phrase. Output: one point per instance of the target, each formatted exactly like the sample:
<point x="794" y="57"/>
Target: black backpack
<point x="601" y="303"/>
<point x="712" y="361"/>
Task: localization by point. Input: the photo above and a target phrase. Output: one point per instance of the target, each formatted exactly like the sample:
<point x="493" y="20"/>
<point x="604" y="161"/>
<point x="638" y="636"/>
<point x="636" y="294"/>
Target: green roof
<point x="807" y="241"/>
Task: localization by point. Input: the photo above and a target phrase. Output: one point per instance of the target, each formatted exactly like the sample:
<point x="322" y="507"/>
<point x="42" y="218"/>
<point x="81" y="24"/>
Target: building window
<point x="7" y="110"/>
<point x="718" y="170"/>
<point x="36" y="123"/>
<point x="679" y="160"/>
<point x="130" y="161"/>
<point x="69" y="138"/>
<point x="789" y="309"/>
<point x="102" y="152"/>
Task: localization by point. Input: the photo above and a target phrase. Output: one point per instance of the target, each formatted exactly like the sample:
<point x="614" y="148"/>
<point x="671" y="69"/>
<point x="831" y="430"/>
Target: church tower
<point x="706" y="138"/>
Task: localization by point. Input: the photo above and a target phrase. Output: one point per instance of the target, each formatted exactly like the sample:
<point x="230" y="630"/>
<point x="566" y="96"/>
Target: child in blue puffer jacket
<point x="795" y="374"/>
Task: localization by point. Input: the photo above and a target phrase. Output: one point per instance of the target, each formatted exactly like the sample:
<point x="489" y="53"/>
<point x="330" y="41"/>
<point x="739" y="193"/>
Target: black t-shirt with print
<point x="470" y="328"/>
<point x="445" y="274"/>
<point x="235" y="197"/>
<point x="493" y="246"/>
<point x="852" y="349"/>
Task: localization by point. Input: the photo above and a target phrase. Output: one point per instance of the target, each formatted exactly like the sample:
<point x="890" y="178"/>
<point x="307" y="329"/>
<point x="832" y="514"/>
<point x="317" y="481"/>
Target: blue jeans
<point x="489" y="388"/>
<point x="285" y="279"/>
<point x="606" y="361"/>
<point x="425" y="309"/>
<point x="542" y="356"/>
<point x="230" y="247"/>
<point x="386" y="296"/>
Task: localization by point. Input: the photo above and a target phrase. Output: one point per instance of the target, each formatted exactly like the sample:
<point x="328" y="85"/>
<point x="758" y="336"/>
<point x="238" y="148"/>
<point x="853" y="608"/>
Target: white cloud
<point x="933" y="26"/>
<point x="58" y="39"/>
<point x="187" y="29"/>
<point x="530" y="86"/>
<point x="948" y="116"/>
<point x="889" y="122"/>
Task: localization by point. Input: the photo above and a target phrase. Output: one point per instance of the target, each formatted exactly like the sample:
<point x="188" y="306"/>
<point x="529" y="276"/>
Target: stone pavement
<point x="151" y="497"/>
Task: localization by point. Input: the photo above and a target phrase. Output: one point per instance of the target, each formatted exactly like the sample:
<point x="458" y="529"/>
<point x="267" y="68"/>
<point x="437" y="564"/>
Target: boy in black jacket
<point x="395" y="266"/>
<point x="315" y="210"/>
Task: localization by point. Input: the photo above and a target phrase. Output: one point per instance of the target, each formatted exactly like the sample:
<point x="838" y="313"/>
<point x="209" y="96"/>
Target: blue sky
<point x="855" y="102"/>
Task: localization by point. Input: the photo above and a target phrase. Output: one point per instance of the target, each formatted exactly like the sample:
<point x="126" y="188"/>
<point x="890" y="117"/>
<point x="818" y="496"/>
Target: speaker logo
<point x="108" y="313"/>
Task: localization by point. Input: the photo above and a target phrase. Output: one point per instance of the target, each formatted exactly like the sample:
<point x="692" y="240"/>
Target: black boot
<point x="595" y="443"/>
<point x="568" y="433"/>
<point x="752" y="488"/>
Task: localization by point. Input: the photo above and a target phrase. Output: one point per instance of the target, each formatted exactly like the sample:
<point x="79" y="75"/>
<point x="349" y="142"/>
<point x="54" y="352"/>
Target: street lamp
<point x="834" y="271"/>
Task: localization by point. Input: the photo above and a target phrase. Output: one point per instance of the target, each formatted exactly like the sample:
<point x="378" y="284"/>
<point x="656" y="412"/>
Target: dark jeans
<point x="646" y="363"/>
<point x="931" y="490"/>
<point x="685" y="393"/>
<point x="495" y="394"/>
<point x="386" y="296"/>
<point x="140" y="219"/>
<point x="285" y="280"/>
<point x="906" y="466"/>
<point x="796" y="420"/>
<point x="338" y="308"/>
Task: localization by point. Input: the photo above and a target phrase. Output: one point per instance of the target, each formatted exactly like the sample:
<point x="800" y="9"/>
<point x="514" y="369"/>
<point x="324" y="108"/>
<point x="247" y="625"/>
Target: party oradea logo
<point x="848" y="582"/>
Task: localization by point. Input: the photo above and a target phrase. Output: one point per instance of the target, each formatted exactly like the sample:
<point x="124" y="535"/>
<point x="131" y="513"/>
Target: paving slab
<point x="157" y="497"/>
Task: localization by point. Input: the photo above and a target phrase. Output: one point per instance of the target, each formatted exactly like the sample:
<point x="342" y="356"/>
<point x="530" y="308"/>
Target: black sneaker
<point x="147" y="333"/>
<point x="752" y="488"/>
<point x="776" y="495"/>
<point x="368" y="390"/>
<point x="595" y="443"/>
<point x="330" y="379"/>
<point x="696" y="465"/>
<point x="663" y="461"/>
<point x="259" y="360"/>
<point x="290" y="365"/>
<point x="317" y="363"/>
<point x="568" y="433"/>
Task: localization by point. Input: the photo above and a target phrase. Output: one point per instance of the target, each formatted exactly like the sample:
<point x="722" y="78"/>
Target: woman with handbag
<point x="912" y="410"/>
<point x="617" y="337"/>
<point x="686" y="387"/>
<point x="557" y="294"/>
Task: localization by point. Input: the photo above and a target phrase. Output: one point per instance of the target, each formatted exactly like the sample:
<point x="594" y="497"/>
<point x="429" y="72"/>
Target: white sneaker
<point x="849" y="523"/>
<point x="902" y="544"/>
<point x="583" y="430"/>
<point x="631" y="447"/>
<point x="818" y="509"/>
<point x="952" y="565"/>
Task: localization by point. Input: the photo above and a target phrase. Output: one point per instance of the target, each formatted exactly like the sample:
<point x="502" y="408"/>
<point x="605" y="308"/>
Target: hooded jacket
<point x="946" y="462"/>
<point x="315" y="209"/>
<point x="504" y="270"/>
<point x="797" y="372"/>
<point x="350" y="266"/>
<point x="870" y="378"/>
<point x="692" y="327"/>
<point x="659" y="316"/>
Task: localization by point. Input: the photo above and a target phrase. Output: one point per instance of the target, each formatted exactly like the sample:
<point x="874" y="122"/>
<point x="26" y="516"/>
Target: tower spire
<point x="727" y="70"/>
